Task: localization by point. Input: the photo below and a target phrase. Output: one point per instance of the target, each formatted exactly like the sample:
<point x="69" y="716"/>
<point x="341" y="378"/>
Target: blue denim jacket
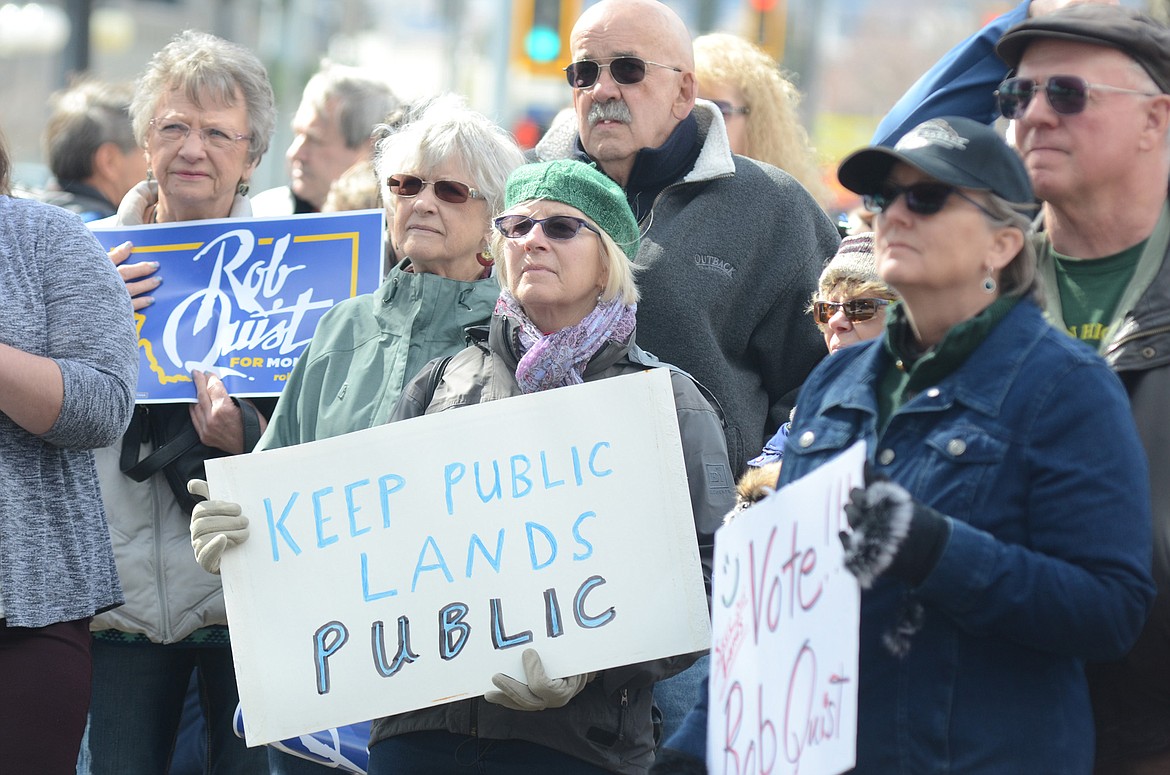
<point x="1047" y="563"/>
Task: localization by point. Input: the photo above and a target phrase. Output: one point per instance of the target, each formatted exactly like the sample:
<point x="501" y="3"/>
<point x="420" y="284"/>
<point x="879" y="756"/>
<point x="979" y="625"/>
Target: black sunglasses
<point x="625" y="70"/>
<point x="448" y="190"/>
<point x="558" y="227"/>
<point x="1067" y="94"/>
<point x="921" y="198"/>
<point x="857" y="310"/>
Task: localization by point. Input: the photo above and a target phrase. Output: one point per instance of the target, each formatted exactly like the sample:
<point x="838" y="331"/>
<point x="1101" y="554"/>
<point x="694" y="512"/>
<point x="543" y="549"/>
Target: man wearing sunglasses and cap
<point x="1091" y="100"/>
<point x="963" y="81"/>
<point x="731" y="248"/>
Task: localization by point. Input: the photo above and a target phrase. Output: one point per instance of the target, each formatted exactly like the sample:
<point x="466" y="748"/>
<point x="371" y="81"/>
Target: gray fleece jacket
<point x="730" y="257"/>
<point x="61" y="298"/>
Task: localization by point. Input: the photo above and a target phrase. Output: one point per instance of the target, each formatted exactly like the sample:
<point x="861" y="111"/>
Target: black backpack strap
<point x="251" y="418"/>
<point x="137" y="432"/>
<point x="141" y="470"/>
<point x="434" y="379"/>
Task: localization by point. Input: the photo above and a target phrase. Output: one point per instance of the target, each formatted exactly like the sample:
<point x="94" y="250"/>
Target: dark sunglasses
<point x="558" y="227"/>
<point x="448" y="190"/>
<point x="857" y="310"/>
<point x="625" y="70"/>
<point x="1067" y="94"/>
<point x="921" y="198"/>
<point x="727" y="109"/>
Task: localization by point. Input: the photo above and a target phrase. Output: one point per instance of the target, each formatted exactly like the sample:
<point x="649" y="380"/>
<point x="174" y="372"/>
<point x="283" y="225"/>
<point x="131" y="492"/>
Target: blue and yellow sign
<point x="242" y="297"/>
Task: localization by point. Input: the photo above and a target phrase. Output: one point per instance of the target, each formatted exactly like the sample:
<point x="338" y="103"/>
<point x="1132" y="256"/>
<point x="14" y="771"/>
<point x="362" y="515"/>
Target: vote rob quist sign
<point x="242" y="297"/>
<point x="783" y="690"/>
<point x="403" y="566"/>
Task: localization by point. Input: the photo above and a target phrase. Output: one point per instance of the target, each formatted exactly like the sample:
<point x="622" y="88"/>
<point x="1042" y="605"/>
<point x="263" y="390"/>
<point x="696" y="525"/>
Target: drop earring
<point x="989" y="284"/>
<point x="242" y="188"/>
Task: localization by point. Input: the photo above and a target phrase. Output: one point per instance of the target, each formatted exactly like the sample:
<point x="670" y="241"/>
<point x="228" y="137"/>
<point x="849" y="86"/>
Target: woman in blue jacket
<point x="998" y="546"/>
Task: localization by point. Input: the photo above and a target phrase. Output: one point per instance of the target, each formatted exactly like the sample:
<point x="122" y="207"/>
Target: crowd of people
<point x="993" y="330"/>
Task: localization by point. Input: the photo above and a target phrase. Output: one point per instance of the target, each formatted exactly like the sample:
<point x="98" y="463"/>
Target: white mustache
<point x="614" y="110"/>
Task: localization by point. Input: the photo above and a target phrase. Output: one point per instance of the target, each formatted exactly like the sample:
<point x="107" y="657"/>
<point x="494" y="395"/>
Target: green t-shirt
<point x="1090" y="290"/>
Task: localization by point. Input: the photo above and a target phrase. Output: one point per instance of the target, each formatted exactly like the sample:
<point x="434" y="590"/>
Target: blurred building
<point x="851" y="58"/>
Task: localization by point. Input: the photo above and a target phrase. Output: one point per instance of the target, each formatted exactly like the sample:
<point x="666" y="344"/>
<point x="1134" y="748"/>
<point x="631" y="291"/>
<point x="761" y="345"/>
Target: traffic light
<point x="769" y="26"/>
<point x="540" y="35"/>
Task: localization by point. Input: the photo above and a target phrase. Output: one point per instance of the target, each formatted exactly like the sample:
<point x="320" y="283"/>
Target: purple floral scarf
<point x="559" y="359"/>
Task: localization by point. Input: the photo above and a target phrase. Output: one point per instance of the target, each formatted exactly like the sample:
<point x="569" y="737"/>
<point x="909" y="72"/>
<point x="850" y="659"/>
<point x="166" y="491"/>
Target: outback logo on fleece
<point x="933" y="132"/>
<point x="715" y="263"/>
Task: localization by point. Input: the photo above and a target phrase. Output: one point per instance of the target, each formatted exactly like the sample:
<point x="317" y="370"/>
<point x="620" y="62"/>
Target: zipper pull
<point x="625" y="703"/>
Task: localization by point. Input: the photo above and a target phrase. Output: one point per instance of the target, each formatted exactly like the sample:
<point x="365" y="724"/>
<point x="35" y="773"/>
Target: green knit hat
<point x="582" y="186"/>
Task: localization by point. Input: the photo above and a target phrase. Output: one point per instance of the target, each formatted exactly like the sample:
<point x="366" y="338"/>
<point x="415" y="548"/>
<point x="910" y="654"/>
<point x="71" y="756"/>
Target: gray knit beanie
<point x="854" y="261"/>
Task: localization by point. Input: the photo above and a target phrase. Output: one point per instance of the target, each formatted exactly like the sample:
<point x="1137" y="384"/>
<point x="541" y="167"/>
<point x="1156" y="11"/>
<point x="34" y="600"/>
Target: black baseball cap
<point x="952" y="149"/>
<point x="1126" y="29"/>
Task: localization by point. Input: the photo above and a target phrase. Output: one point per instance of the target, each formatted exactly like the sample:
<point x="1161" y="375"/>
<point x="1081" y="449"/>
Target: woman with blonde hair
<point x="566" y="315"/>
<point x="759" y="107"/>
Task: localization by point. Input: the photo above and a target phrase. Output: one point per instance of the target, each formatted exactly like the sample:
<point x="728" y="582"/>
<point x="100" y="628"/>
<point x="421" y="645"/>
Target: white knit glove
<point x="540" y="692"/>
<point x="215" y="525"/>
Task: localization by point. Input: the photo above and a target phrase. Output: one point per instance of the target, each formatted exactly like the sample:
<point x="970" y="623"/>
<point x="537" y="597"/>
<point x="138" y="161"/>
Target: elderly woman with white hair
<point x="442" y="176"/>
<point x="203" y="112"/>
<point x="442" y="173"/>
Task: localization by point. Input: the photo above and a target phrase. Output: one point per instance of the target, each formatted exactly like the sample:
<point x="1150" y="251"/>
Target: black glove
<point x="892" y="533"/>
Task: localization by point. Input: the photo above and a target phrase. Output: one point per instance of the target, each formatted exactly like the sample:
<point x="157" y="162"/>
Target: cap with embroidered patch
<point x="953" y="150"/>
<point x="1126" y="29"/>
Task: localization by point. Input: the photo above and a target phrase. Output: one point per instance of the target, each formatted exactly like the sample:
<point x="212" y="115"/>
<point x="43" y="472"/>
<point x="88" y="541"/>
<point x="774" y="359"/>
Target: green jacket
<point x="366" y="348"/>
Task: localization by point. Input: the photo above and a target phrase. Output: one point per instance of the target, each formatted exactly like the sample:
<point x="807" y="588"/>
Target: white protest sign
<point x="402" y="566"/>
<point x="786" y="612"/>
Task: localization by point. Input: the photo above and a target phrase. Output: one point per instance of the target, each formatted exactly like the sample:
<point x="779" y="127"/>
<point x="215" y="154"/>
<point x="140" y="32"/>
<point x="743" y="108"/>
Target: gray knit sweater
<point x="730" y="257"/>
<point x="61" y="298"/>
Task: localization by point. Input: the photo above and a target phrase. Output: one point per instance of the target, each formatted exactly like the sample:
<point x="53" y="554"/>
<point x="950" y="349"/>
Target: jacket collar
<point x="132" y="210"/>
<point x="84" y="190"/>
<point x="459" y="296"/>
<point x="982" y="382"/>
<point x="715" y="159"/>
<point x="1143" y="304"/>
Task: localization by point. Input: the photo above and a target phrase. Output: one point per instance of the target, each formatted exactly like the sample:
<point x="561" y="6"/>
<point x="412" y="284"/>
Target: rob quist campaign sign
<point x="785" y="620"/>
<point x="401" y="566"/>
<point x="242" y="297"/>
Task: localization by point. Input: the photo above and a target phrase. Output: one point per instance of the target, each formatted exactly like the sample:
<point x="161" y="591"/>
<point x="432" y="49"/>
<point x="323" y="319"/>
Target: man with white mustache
<point x="731" y="248"/>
